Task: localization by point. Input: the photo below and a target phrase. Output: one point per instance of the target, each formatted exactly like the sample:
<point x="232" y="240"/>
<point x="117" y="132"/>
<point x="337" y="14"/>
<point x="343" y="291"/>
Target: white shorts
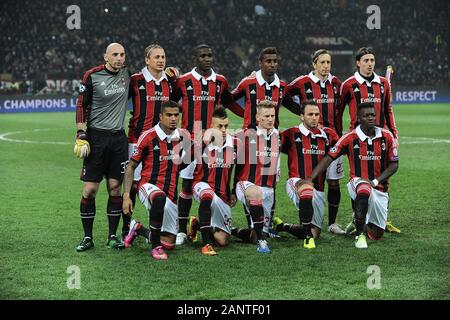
<point x="188" y="172"/>
<point x="170" y="219"/>
<point x="318" y="201"/>
<point x="378" y="204"/>
<point x="335" y="170"/>
<point x="132" y="147"/>
<point x="268" y="198"/>
<point x="220" y="211"/>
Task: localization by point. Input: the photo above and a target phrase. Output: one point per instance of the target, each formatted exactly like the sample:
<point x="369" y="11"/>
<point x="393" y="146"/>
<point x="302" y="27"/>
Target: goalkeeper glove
<point x="82" y="147"/>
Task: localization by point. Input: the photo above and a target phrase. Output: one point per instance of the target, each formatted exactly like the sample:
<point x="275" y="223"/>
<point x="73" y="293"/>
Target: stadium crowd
<point x="36" y="44"/>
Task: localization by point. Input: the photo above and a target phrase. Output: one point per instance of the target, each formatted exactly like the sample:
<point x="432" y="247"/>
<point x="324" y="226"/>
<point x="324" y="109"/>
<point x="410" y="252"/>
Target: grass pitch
<point x="40" y="223"/>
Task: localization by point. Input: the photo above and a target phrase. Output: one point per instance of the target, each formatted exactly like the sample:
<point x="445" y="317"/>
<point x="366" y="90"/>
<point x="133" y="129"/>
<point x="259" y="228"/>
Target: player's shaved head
<point x="114" y="47"/>
<point x="114" y="57"/>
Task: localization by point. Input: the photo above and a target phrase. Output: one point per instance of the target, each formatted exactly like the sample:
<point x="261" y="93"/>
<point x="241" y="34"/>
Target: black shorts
<point x="108" y="157"/>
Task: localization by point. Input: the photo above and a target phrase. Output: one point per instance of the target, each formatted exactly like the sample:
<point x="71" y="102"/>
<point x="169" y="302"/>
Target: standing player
<point x="264" y="85"/>
<point x="373" y="158"/>
<point x="323" y="88"/>
<point x="366" y="86"/>
<point x="212" y="185"/>
<point x="305" y="146"/>
<point x="257" y="176"/>
<point x="148" y="89"/>
<point x="101" y="140"/>
<point x="159" y="151"/>
<point x="200" y="90"/>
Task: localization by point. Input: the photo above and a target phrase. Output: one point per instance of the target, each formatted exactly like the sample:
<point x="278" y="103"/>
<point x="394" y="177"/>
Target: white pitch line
<point x="4" y="136"/>
<point x="420" y="140"/>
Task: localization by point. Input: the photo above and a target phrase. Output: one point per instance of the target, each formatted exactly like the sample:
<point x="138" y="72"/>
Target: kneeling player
<point x="212" y="185"/>
<point x="159" y="151"/>
<point x="372" y="153"/>
<point x="258" y="174"/>
<point x="305" y="146"/>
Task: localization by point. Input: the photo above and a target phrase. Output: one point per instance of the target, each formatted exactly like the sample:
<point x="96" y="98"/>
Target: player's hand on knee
<point x="82" y="147"/>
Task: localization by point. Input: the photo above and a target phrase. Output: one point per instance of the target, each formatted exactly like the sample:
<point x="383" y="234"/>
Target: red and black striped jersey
<point x="356" y="90"/>
<point x="147" y="94"/>
<point x="368" y="157"/>
<point x="324" y="93"/>
<point x="259" y="161"/>
<point x="217" y="165"/>
<point x="254" y="89"/>
<point x="305" y="149"/>
<point x="161" y="159"/>
<point x="200" y="97"/>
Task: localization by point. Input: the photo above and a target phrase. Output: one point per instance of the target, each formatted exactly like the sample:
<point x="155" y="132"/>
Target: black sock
<point x="361" y="207"/>
<point x="156" y="215"/>
<point x="114" y="211"/>
<point x="204" y="215"/>
<point x="87" y="213"/>
<point x="306" y="213"/>
<point x="184" y="206"/>
<point x="144" y="232"/>
<point x="257" y="214"/>
<point x="243" y="234"/>
<point x="334" y="197"/>
<point x="247" y="216"/>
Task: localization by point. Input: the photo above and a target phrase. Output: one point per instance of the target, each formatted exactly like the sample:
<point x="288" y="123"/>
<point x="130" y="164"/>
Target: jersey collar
<point x="163" y="136"/>
<point x="361" y="80"/>
<point x="305" y="131"/>
<point x="228" y="143"/>
<point x="313" y="77"/>
<point x="149" y="77"/>
<point x="198" y="76"/>
<point x="260" y="132"/>
<point x="362" y="136"/>
<point x="261" y="81"/>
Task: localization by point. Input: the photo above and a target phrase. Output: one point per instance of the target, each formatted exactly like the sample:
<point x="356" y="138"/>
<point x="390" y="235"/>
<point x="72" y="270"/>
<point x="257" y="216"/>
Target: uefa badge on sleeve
<point x="82" y="88"/>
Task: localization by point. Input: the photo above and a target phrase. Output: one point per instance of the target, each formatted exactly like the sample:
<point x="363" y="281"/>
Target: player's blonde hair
<point x="149" y="49"/>
<point x="265" y="104"/>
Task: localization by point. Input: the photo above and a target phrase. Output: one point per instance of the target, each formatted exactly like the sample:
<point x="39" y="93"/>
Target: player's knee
<point x="207" y="195"/>
<point x="305" y="192"/>
<point x="363" y="189"/>
<point x="186" y="187"/>
<point x="374" y="232"/>
<point x="89" y="192"/>
<point x="253" y="193"/>
<point x="333" y="184"/>
<point x="157" y="198"/>
<point x="168" y="242"/>
<point x="315" y="232"/>
<point x="114" y="187"/>
<point x="221" y="238"/>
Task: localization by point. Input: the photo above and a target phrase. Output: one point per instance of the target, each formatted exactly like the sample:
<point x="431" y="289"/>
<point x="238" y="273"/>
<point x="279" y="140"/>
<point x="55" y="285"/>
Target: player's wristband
<point x="375" y="182"/>
<point x="81" y="135"/>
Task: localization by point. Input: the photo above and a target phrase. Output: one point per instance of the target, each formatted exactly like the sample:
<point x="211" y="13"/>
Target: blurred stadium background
<point x="41" y="63"/>
<point x="40" y="55"/>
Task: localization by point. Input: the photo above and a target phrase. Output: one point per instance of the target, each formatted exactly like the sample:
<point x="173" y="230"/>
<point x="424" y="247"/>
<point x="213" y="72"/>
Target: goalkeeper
<point x="101" y="141"/>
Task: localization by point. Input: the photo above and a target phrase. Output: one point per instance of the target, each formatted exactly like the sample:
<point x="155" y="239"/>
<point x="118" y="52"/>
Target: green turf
<point x="39" y="207"/>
